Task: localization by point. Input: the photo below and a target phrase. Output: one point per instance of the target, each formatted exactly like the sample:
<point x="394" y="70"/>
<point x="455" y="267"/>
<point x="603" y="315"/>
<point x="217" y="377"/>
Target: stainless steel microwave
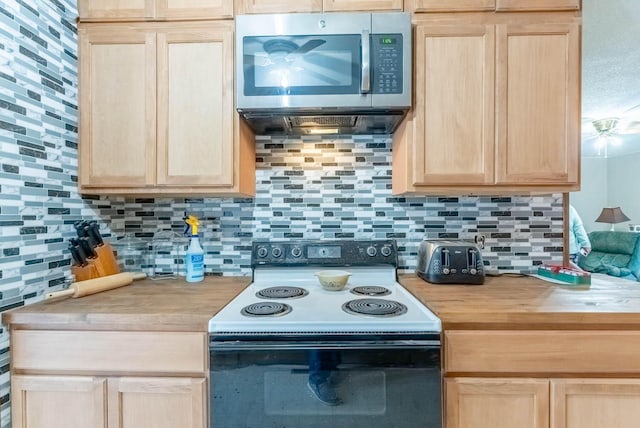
<point x="323" y="72"/>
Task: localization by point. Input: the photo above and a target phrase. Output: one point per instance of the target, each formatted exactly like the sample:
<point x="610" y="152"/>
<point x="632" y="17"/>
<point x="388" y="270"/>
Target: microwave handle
<point x="365" y="85"/>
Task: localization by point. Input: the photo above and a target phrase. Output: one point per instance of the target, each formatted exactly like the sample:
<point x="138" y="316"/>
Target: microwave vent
<point x="322" y="121"/>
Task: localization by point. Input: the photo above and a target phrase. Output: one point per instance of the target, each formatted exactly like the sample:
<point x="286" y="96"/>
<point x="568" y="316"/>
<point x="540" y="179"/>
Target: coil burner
<point x="374" y="307"/>
<point x="266" y="309"/>
<point x="282" y="293"/>
<point x="371" y="291"/>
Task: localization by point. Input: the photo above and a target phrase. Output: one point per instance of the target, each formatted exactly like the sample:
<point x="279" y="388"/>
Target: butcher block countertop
<point x="501" y="302"/>
<point x="161" y="305"/>
<point x="526" y="302"/>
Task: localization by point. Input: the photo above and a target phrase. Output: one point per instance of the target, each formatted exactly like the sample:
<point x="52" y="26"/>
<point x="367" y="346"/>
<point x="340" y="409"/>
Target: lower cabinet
<point x="108" y="379"/>
<point x="542" y="378"/>
<point x="41" y="401"/>
<point x="541" y="403"/>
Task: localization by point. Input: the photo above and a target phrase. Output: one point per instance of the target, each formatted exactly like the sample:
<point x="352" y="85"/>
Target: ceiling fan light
<point x="605" y="126"/>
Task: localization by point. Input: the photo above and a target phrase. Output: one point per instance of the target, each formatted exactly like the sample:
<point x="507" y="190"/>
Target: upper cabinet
<point x="307" y="6"/>
<point x="496" y="105"/>
<point x="153" y="10"/>
<point x="157" y="113"/>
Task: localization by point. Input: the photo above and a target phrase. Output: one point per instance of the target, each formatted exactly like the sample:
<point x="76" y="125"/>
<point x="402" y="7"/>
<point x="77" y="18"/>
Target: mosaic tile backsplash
<point x="316" y="188"/>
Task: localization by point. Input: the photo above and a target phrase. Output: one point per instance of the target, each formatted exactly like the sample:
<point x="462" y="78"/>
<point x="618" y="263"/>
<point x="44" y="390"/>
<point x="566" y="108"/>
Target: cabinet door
<point x="117" y="139"/>
<point x="491" y="403"/>
<point x="538" y="103"/>
<point x="195" y="106"/>
<point x="454" y="87"/>
<point x="194" y="9"/>
<point x="58" y="402"/>
<point x="595" y="403"/>
<point x="157" y="402"/>
<point x="360" y="5"/>
<point x="112" y="10"/>
<point x="277" y="6"/>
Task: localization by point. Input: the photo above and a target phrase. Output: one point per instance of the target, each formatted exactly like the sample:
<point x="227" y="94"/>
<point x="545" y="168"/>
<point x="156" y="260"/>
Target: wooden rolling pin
<point x="96" y="285"/>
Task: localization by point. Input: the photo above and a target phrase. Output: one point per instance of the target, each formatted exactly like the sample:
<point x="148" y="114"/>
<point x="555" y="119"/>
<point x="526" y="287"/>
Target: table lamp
<point x="612" y="216"/>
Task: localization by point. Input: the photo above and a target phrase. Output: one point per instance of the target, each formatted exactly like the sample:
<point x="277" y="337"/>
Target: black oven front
<point x="363" y="381"/>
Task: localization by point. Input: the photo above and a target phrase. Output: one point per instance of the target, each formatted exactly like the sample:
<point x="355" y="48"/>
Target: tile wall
<point x="320" y="188"/>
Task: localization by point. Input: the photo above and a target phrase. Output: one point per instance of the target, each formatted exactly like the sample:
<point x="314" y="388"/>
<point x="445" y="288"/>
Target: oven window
<point x="326" y="388"/>
<point x="301" y="65"/>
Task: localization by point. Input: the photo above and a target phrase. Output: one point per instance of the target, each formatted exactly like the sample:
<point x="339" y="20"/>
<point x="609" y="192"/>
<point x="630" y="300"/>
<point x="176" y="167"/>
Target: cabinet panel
<point x="360" y="5"/>
<point x="115" y="9"/>
<point x="58" y="402"/>
<point x="567" y="351"/>
<point x="195" y="106"/>
<point x="449" y="6"/>
<point x="490" y="403"/>
<point x="109" y="351"/>
<point x="517" y="5"/>
<point x="277" y="6"/>
<point x="538" y="93"/>
<point x="454" y="136"/>
<point x="595" y="403"/>
<point x="194" y="9"/>
<point x="117" y="139"/>
<point x="157" y="402"/>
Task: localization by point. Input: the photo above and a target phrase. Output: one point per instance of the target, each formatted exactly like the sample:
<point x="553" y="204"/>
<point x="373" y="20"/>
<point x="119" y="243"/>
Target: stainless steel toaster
<point x="450" y="262"/>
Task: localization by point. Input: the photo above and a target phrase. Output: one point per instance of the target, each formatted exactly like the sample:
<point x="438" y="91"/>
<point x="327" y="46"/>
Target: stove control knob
<point x="385" y="251"/>
<point x="276" y="252"/>
<point x="296" y="252"/>
<point x="372" y="251"/>
<point x="262" y="252"/>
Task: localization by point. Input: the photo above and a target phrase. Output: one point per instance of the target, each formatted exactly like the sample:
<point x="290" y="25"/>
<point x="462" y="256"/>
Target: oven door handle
<point x="338" y="345"/>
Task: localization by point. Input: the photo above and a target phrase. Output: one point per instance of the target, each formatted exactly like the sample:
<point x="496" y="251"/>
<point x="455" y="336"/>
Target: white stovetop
<point x="321" y="310"/>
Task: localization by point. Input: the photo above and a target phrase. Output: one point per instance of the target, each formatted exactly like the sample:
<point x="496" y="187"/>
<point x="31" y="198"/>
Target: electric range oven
<point x="287" y="353"/>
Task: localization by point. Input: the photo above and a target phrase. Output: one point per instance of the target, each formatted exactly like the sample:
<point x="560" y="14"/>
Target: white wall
<point x="610" y="182"/>
<point x="623" y="186"/>
<point x="592" y="197"/>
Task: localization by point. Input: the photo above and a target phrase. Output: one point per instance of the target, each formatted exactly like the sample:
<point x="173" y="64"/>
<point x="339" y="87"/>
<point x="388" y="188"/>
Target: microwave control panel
<point x="386" y="59"/>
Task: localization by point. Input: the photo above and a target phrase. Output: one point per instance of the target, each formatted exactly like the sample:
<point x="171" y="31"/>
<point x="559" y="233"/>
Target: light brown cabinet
<point x="491" y="403"/>
<point x="116" y="402"/>
<point x="152" y="10"/>
<point x="541" y="378"/>
<point x="308" y="6"/>
<point x="138" y="379"/>
<point x="157" y="111"/>
<point x="496" y="105"/>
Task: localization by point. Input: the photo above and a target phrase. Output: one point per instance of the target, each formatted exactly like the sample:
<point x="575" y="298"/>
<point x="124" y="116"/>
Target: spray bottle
<point x="194" y="258"/>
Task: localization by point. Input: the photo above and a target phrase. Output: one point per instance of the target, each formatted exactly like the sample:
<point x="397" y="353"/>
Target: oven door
<point x="369" y="382"/>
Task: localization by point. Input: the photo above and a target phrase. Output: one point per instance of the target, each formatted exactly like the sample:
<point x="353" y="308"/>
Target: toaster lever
<point x="472" y="260"/>
<point x="446" y="261"/>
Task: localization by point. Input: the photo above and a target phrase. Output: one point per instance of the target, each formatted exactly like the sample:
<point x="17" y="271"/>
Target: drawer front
<point x="109" y="351"/>
<point x="449" y="6"/>
<point x="549" y="352"/>
<point x="534" y="5"/>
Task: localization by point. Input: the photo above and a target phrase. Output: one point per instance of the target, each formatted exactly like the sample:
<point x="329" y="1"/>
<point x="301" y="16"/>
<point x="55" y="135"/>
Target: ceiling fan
<point x="600" y="134"/>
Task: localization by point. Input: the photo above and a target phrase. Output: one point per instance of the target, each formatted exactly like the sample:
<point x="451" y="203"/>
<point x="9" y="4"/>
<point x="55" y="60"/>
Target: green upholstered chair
<point x="614" y="253"/>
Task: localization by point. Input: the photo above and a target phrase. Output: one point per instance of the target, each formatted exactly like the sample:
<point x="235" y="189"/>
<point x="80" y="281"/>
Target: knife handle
<point x="87" y="248"/>
<point x="79" y="226"/>
<point x="93" y="231"/>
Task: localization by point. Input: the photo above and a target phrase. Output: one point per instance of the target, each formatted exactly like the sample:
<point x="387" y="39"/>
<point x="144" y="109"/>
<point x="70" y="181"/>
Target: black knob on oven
<point x="372" y="251"/>
<point x="296" y="252"/>
<point x="276" y="252"/>
<point x="262" y="252"/>
<point x="385" y="251"/>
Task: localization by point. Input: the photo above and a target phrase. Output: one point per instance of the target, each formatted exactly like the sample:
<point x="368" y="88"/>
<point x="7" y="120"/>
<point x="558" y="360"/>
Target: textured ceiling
<point x="610" y="69"/>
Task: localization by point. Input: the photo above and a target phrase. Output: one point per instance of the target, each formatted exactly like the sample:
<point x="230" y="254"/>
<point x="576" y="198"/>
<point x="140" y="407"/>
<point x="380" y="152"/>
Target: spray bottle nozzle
<point x="191" y="228"/>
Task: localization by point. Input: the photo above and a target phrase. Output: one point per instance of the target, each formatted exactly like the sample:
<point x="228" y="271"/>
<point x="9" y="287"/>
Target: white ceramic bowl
<point x="333" y="280"/>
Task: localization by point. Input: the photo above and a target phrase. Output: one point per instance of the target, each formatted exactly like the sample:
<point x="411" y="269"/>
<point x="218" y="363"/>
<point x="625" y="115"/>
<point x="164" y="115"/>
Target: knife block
<point x="107" y="260"/>
<point x="82" y="273"/>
